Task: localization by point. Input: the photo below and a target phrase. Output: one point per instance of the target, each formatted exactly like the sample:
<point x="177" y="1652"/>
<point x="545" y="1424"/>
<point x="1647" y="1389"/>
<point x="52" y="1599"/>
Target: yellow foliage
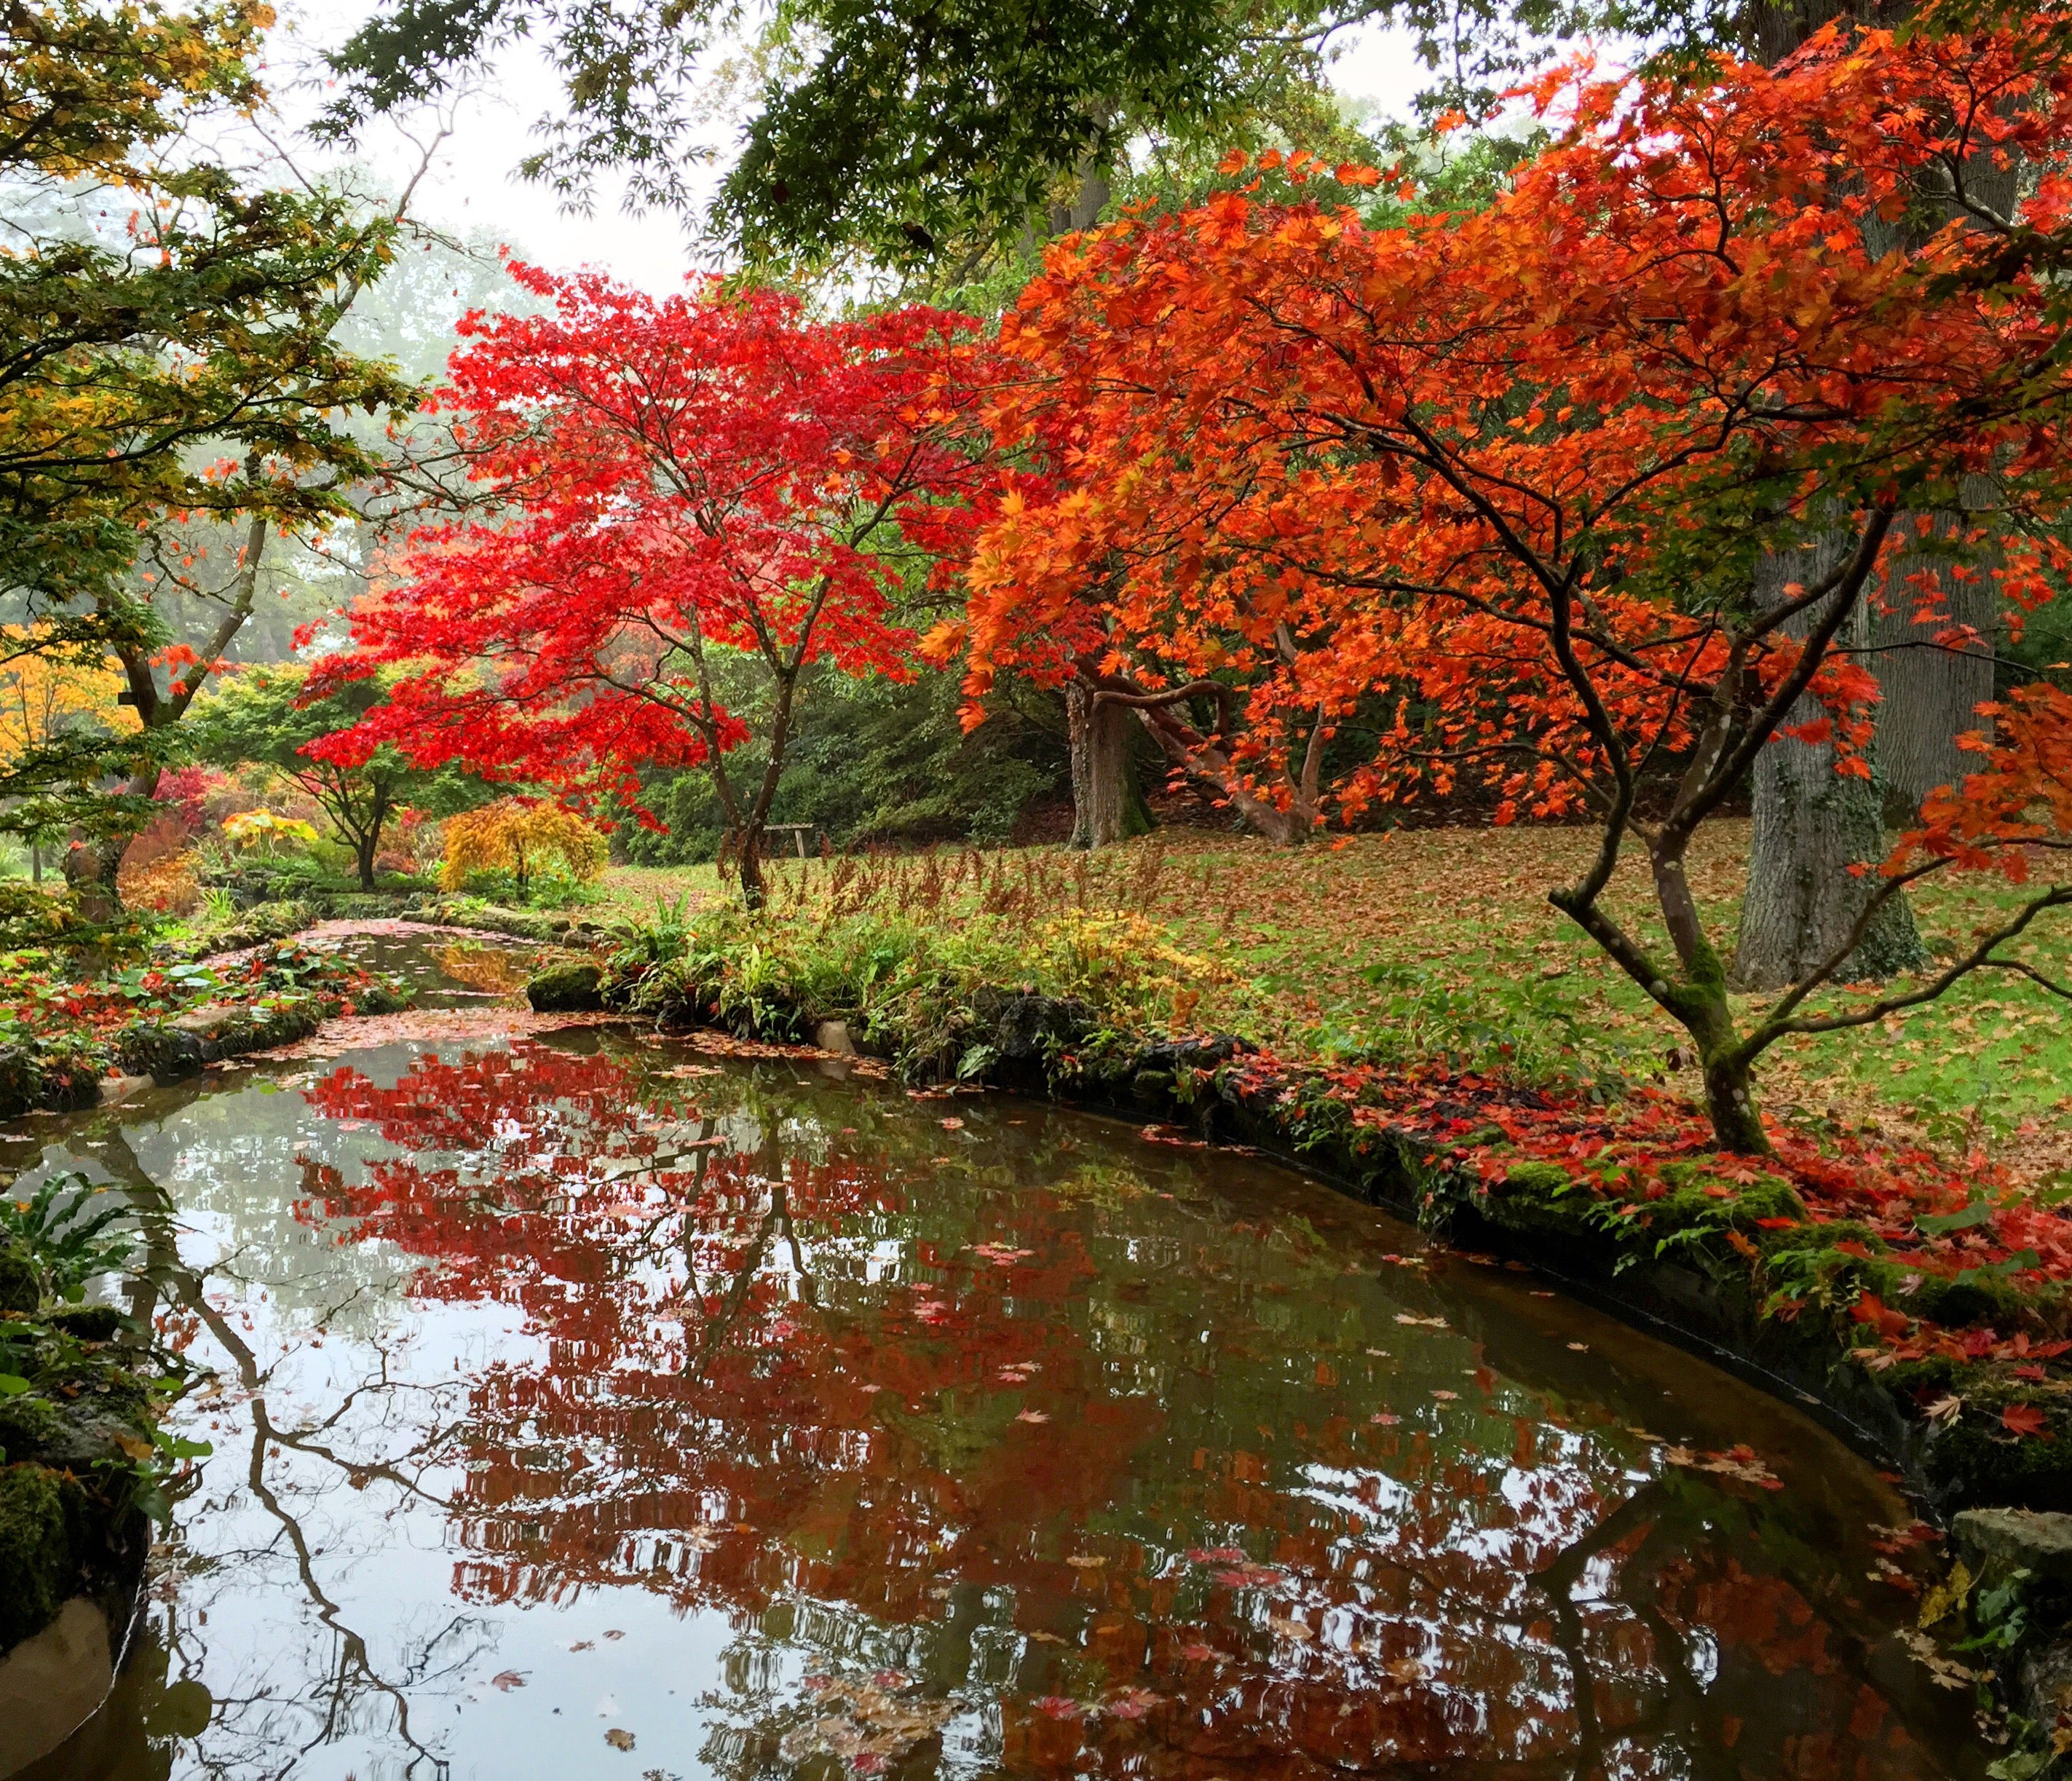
<point x="167" y="884"/>
<point x="1126" y="957"/>
<point x="41" y="696"/>
<point x="262" y="829"/>
<point x="520" y="835"/>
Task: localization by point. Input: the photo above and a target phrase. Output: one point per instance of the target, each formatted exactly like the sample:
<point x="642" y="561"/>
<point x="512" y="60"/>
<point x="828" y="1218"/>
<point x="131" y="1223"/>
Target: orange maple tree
<point x="1576" y="496"/>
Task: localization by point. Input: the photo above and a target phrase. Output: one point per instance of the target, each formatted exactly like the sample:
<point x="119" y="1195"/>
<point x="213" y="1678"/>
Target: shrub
<point x="167" y="885"/>
<point x="525" y="837"/>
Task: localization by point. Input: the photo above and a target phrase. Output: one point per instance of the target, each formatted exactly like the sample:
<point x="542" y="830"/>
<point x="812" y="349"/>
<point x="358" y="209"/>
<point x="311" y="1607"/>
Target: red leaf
<point x="2024" y="1420"/>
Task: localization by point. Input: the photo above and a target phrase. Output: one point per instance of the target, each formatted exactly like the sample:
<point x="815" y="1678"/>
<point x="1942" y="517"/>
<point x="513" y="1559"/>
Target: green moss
<point x="20" y="1286"/>
<point x="35" y="1552"/>
<point x="87" y="1322"/>
<point x="28" y="1426"/>
<point x="575" y="984"/>
<point x="1958" y="1302"/>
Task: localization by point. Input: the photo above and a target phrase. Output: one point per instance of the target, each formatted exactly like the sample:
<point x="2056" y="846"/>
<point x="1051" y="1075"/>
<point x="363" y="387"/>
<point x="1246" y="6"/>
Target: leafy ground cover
<point x="82" y="1459"/>
<point x="1439" y="945"/>
<point x="64" y="1025"/>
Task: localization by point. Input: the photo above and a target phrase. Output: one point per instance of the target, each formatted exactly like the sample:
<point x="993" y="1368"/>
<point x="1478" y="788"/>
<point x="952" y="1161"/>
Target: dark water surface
<point x="589" y="1406"/>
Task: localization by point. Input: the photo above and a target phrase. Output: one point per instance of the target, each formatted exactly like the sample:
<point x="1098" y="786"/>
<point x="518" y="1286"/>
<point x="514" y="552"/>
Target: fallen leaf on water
<point x="584" y="1645"/>
<point x="1423" y="1323"/>
<point x="1445" y="1397"/>
<point x="1057" y="1706"/>
<point x="1947" y="1597"/>
<point x="1290" y="1629"/>
<point x="1200" y="1654"/>
<point x="1741" y="1463"/>
<point x="614" y="1633"/>
<point x="1032" y="1415"/>
<point x="1945" y="1672"/>
<point x="1384" y="1419"/>
<point x="1580" y="1347"/>
<point x="1133" y="1703"/>
<point x="1085" y="1563"/>
<point x="618" y="1740"/>
<point x="1407" y="1669"/>
<point x="508" y="1680"/>
<point x="953" y="1123"/>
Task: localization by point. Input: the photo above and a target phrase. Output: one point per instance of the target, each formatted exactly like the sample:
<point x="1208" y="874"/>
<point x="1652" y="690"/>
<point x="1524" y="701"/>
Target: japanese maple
<point x="1589" y="489"/>
<point x="667" y="488"/>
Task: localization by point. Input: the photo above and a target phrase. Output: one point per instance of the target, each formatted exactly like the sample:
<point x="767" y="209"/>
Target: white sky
<point x="475" y="185"/>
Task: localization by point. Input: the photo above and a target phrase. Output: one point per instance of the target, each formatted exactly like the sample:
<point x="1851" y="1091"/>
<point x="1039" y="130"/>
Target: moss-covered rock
<point x="569" y="987"/>
<point x="87" y="1322"/>
<point x="36" y="1559"/>
<point x="29" y="1427"/>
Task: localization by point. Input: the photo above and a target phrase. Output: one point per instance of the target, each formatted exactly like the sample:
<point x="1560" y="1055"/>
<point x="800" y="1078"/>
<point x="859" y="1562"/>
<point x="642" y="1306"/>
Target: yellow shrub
<point x="1126" y="957"/>
<point x="520" y="835"/>
<point x="167" y="884"/>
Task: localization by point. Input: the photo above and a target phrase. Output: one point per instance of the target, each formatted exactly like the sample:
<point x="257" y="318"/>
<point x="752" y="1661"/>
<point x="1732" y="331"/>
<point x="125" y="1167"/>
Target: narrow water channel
<point x="587" y="1404"/>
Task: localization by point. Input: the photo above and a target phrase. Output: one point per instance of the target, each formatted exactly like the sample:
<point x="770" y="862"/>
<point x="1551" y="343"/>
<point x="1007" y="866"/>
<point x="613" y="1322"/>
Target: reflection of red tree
<point x="730" y="1405"/>
<point x="723" y="1407"/>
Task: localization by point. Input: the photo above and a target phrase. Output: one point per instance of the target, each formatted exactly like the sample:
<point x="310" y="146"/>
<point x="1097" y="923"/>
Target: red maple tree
<point x="664" y="491"/>
<point x="1586" y="490"/>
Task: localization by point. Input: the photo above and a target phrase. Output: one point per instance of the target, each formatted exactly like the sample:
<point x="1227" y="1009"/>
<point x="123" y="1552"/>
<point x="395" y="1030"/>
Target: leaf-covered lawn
<point x="1439" y="942"/>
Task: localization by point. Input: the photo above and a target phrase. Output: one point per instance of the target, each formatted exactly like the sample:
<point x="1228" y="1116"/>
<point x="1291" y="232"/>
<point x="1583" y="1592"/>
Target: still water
<point x="587" y="1404"/>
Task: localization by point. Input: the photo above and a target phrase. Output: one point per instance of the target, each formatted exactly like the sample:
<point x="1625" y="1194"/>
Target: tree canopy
<point x="1514" y="472"/>
<point x="165" y="349"/>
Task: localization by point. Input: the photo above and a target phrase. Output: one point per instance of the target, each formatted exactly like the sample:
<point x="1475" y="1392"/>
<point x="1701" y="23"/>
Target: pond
<point x="591" y="1404"/>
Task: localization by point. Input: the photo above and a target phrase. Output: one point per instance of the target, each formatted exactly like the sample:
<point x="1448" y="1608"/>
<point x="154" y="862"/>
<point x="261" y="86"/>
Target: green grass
<point x="1441" y="941"/>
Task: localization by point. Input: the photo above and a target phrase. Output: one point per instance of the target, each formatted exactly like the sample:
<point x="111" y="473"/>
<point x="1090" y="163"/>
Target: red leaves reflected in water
<point x="767" y="1374"/>
<point x="720" y="1407"/>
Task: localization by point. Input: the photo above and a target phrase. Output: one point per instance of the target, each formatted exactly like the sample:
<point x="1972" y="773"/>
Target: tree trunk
<point x="1811" y="824"/>
<point x="1932" y="692"/>
<point x="1108" y="805"/>
<point x="364" y="853"/>
<point x="1730" y="1104"/>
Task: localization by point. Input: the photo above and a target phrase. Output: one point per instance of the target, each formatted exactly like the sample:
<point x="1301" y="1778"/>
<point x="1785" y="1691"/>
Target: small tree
<point x="1515" y="470"/>
<point x="670" y="485"/>
<point x="269" y="717"/>
<point x="522" y="837"/>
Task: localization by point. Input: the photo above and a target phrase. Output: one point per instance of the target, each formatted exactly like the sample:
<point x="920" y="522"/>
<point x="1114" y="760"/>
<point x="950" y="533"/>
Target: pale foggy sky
<point x="474" y="184"/>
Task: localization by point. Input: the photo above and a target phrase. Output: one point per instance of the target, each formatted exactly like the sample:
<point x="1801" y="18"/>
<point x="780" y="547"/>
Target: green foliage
<point x="905" y="981"/>
<point x="881" y="761"/>
<point x="892" y="129"/>
<point x="190" y="363"/>
<point x="264" y="716"/>
<point x="67" y="1241"/>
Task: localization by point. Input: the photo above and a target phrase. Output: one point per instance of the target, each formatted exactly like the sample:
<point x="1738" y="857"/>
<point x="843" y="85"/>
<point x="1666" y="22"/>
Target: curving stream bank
<point x="589" y="1403"/>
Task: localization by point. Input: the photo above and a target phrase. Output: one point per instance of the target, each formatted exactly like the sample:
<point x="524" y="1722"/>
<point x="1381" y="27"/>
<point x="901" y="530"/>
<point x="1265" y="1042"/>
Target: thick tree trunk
<point x="1812" y="823"/>
<point x="1932" y="692"/>
<point x="1108" y="805"/>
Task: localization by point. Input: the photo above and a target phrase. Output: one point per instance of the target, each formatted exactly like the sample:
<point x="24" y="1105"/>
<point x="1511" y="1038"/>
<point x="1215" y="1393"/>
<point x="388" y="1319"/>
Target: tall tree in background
<point x="165" y="349"/>
<point x="668" y="485"/>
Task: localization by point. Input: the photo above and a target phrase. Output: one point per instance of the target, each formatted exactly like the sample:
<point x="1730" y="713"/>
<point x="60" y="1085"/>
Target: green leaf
<point x="1939" y="1224"/>
<point x="12" y="1385"/>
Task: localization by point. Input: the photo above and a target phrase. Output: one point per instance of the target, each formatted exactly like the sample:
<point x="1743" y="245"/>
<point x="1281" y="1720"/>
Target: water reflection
<point x="763" y="1426"/>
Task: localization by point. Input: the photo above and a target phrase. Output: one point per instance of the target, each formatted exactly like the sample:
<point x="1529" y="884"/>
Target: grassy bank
<point x="1439" y="943"/>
